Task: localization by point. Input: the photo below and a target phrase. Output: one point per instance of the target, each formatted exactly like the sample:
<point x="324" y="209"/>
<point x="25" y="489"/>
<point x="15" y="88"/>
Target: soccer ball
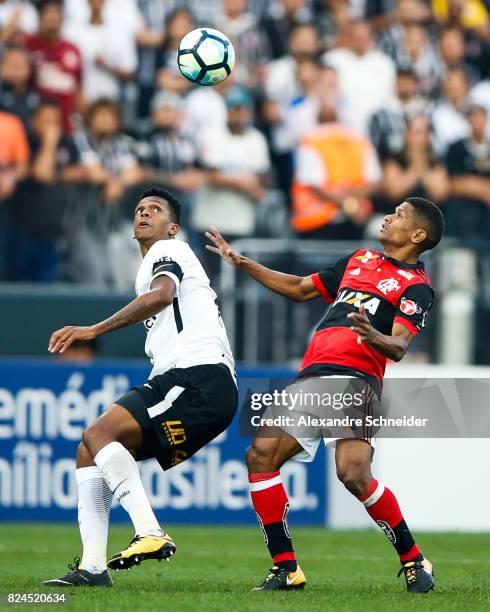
<point x="206" y="56"/>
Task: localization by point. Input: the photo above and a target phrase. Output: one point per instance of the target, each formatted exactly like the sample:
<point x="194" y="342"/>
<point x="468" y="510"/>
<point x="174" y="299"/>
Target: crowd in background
<point x="335" y="111"/>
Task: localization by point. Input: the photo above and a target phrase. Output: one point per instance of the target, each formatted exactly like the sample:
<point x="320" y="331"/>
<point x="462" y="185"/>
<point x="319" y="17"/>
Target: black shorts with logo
<point x="181" y="411"/>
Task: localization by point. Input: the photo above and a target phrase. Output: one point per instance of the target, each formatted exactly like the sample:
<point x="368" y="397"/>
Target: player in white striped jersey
<point x="189" y="398"/>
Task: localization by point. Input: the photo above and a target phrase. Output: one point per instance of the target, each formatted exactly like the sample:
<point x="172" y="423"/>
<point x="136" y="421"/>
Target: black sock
<point x="280" y="545"/>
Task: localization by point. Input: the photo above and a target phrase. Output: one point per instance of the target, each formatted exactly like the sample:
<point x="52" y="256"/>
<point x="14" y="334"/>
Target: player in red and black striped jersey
<point x="378" y="302"/>
<point x="387" y="291"/>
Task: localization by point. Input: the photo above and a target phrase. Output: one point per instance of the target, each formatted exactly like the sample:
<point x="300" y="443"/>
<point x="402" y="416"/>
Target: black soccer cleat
<point x="419" y="575"/>
<point x="77" y="577"/>
<point x="280" y="579"/>
<point x="142" y="548"/>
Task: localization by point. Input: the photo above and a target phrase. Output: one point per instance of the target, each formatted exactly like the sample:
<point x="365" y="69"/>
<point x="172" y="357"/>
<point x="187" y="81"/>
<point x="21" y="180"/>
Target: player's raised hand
<point x="222" y="248"/>
<point x="63" y="338"/>
<point x="361" y="325"/>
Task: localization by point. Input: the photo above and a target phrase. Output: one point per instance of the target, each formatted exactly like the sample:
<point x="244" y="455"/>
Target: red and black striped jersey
<point x="391" y="292"/>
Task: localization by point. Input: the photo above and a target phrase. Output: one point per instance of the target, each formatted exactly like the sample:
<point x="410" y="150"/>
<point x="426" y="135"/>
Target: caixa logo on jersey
<point x="356" y="298"/>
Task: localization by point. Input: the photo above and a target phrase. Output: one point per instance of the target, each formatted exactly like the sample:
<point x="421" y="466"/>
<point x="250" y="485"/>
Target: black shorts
<point x="181" y="411"/>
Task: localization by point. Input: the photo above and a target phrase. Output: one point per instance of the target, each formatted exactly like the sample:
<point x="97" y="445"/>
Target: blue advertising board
<point x="45" y="407"/>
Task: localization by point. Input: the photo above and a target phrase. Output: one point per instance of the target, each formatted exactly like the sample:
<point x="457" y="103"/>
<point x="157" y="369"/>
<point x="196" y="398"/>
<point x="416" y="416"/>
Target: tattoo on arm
<point x="136" y="311"/>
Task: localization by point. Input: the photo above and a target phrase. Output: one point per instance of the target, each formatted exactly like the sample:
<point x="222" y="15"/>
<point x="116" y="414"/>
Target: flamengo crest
<point x="388" y="284"/>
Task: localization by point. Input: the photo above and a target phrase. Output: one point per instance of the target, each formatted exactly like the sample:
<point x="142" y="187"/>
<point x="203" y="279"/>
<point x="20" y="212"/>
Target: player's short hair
<point x="173" y="203"/>
<point x="432" y="220"/>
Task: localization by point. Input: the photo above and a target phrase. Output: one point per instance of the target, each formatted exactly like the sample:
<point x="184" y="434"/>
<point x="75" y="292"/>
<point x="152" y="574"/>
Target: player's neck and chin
<point x="147" y="243"/>
<point x="405" y="253"/>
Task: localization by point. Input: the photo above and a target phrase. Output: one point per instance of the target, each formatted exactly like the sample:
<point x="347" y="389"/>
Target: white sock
<point x="94" y="504"/>
<point x="122" y="475"/>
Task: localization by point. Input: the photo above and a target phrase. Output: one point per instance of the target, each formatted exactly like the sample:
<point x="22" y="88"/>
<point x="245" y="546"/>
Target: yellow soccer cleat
<point x="419" y="575"/>
<point x="142" y="548"/>
<point x="279" y="579"/>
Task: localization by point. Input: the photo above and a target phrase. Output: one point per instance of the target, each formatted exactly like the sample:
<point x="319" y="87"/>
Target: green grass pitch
<point x="214" y="569"/>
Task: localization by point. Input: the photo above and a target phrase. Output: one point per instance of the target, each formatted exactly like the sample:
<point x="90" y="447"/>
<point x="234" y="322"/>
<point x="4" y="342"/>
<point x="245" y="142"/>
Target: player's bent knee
<point x="258" y="459"/>
<point x="84" y="458"/>
<point x="82" y="451"/>
<point x="356" y="486"/>
<point x="87" y="437"/>
<point x="95" y="437"/>
<point x="354" y="480"/>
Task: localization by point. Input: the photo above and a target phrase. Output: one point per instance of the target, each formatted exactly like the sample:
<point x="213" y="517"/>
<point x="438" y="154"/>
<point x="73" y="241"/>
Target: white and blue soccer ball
<point x="206" y="56"/>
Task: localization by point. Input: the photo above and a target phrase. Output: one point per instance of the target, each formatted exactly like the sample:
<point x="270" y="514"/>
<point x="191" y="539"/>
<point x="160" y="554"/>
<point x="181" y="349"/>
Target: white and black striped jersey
<point x="190" y="331"/>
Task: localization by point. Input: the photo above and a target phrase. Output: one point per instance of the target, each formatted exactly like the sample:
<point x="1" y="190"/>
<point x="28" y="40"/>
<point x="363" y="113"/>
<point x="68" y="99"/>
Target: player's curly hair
<point x="173" y="203"/>
<point x="432" y="219"/>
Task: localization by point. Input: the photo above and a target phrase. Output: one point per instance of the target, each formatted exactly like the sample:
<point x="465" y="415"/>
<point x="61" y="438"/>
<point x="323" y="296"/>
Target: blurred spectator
<point x="448" y="121"/>
<point x="40" y="206"/>
<point x="331" y="190"/>
<point x="280" y="83"/>
<point x="168" y="156"/>
<point x="476" y="41"/>
<point x="237" y="166"/>
<point x="323" y="61"/>
<point x="392" y="35"/>
<point x="207" y="11"/>
<point x="469" y="14"/>
<point x="298" y="115"/>
<point x="293" y="119"/>
<point x="366" y="76"/>
<point x="241" y="27"/>
<point x="418" y="53"/>
<point x="179" y="23"/>
<point x="108" y="54"/>
<point x="120" y="14"/>
<point x="56" y="62"/>
<point x="416" y="171"/>
<point x="332" y="17"/>
<point x="15" y="95"/>
<point x="468" y="161"/>
<point x="150" y="39"/>
<point x="389" y="16"/>
<point x="14" y="154"/>
<point x="205" y="110"/>
<point x="387" y="126"/>
<point x="107" y="153"/>
<point x="452" y="52"/>
<point x="16" y="17"/>
<point x="100" y="249"/>
<point x="480" y="95"/>
<point x="277" y="24"/>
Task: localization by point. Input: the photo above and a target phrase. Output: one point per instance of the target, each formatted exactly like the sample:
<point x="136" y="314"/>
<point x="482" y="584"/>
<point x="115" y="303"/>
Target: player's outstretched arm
<point x="394" y="347"/>
<point x="298" y="288"/>
<point x="143" y="307"/>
